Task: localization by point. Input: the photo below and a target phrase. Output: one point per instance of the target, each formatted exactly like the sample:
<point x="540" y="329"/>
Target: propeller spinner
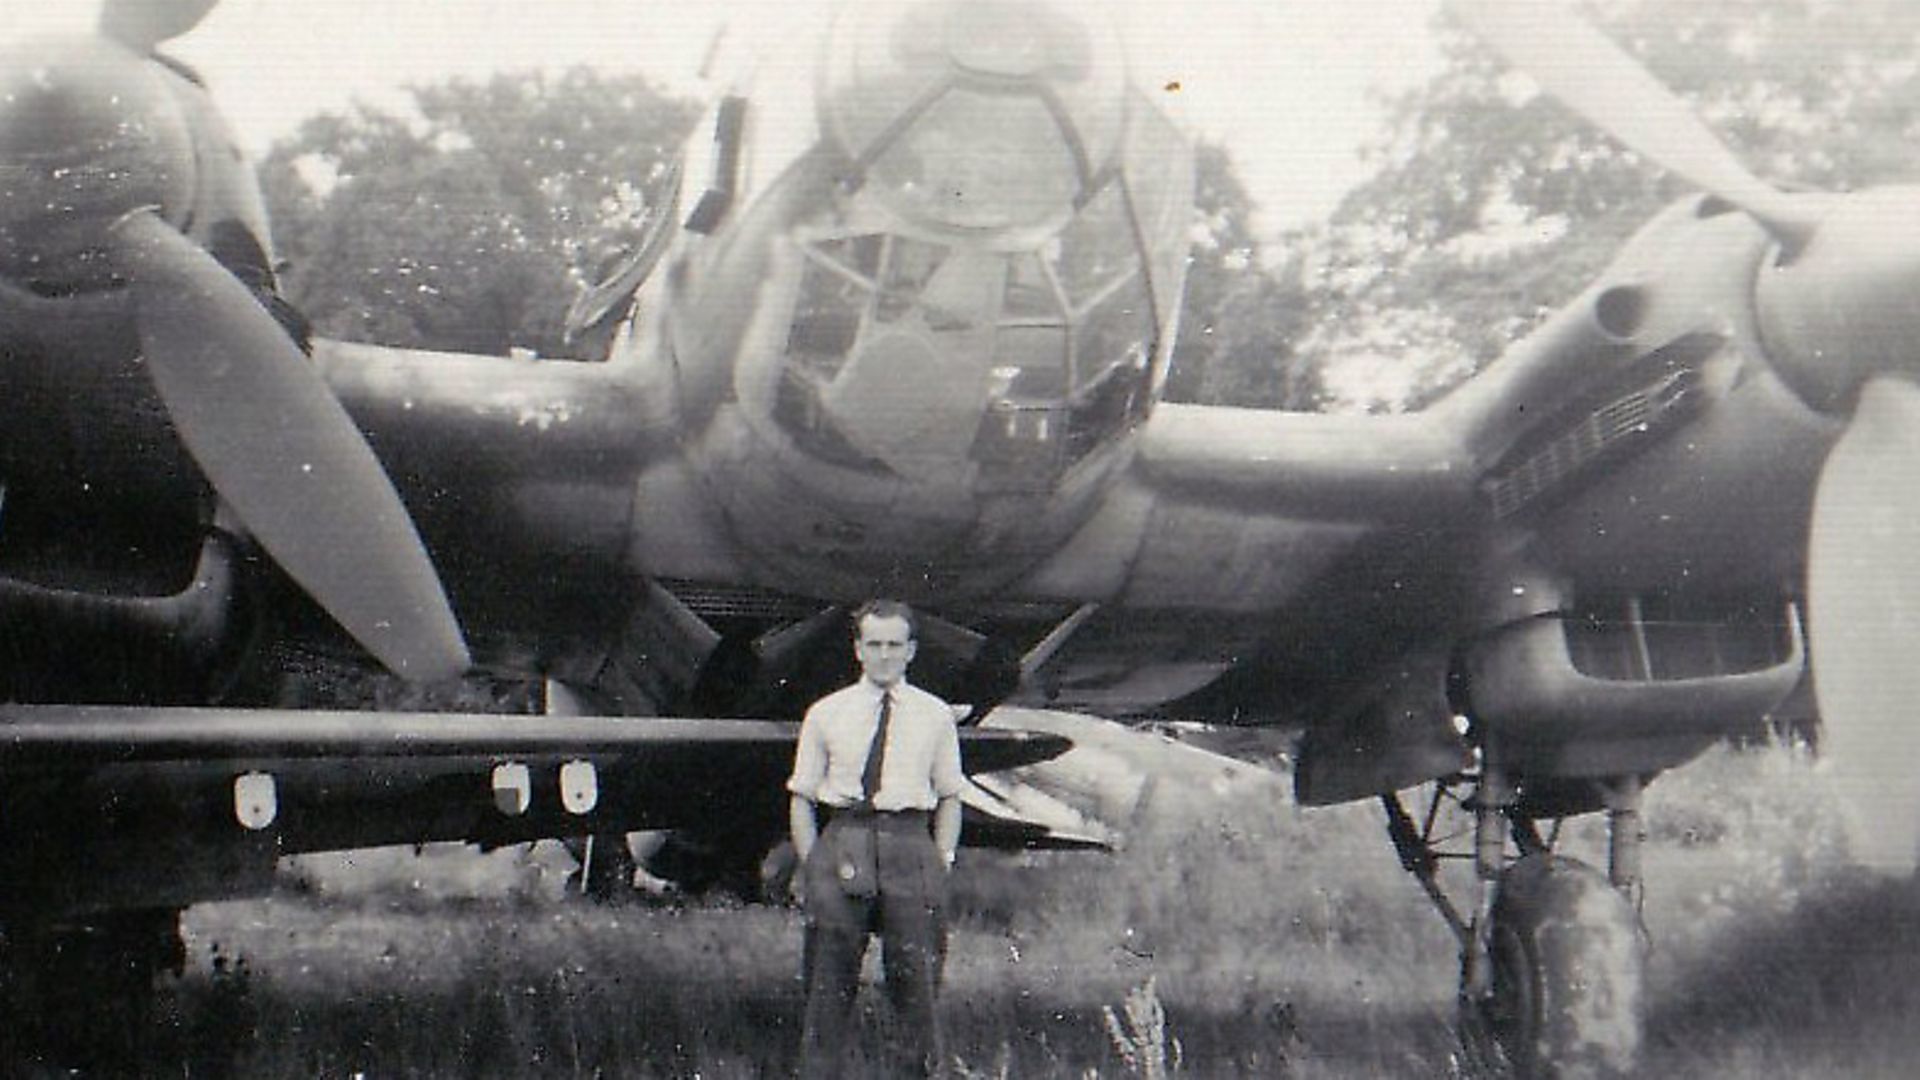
<point x="1837" y="314"/>
<point x="87" y="132"/>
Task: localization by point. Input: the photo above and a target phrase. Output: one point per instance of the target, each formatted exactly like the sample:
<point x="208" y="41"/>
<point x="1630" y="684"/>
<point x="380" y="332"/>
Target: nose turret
<point x="975" y="115"/>
<point x="88" y="132"/>
<point x="963" y="286"/>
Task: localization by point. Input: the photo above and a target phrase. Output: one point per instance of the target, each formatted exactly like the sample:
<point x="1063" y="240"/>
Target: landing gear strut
<point x="1551" y="951"/>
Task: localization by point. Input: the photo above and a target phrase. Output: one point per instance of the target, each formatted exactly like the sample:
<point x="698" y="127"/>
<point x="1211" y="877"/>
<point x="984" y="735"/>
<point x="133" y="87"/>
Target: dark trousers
<point x="877" y="874"/>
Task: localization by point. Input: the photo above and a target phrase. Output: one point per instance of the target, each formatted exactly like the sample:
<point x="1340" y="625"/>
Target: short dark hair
<point x="885" y="608"/>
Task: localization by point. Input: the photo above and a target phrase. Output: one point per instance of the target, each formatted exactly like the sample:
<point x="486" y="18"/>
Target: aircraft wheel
<point x="1568" y="973"/>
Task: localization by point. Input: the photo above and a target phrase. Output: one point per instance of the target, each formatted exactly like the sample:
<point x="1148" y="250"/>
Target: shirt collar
<point x="874" y="690"/>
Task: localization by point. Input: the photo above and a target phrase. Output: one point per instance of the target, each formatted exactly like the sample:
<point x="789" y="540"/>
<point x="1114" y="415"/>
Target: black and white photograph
<point x="977" y="539"/>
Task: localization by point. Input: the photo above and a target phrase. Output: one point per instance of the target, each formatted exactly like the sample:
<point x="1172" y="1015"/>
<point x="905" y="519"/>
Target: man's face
<point x="884" y="647"/>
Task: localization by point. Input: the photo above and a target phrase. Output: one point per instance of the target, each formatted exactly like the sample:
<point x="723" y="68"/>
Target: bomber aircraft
<point x="907" y="332"/>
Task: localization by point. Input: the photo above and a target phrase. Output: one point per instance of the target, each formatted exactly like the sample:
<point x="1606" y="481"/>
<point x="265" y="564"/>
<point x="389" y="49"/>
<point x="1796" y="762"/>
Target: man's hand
<point x="946" y="828"/>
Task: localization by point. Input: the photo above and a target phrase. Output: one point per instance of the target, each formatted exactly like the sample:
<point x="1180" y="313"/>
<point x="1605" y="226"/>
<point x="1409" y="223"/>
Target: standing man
<point x="880" y="761"/>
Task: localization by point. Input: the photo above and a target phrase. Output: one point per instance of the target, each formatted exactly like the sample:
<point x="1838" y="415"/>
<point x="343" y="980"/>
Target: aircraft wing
<point x="211" y="788"/>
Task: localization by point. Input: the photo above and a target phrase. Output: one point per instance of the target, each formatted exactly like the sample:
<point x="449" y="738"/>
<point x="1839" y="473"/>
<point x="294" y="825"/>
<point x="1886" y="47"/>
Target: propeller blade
<point x="282" y="452"/>
<point x="1588" y="73"/>
<point x="141" y="25"/>
<point x="1863" y="594"/>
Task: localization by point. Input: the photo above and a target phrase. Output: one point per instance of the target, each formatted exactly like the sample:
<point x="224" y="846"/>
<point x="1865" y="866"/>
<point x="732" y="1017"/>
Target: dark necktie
<point x="876" y="753"/>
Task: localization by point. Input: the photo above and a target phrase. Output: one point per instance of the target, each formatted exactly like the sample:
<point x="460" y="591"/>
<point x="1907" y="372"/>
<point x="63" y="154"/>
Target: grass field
<point x="1279" y="942"/>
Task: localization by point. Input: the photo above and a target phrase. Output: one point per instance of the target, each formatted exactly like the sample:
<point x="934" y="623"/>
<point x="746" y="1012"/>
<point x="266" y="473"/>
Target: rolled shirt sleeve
<point x="949" y="780"/>
<point x="809" y="761"/>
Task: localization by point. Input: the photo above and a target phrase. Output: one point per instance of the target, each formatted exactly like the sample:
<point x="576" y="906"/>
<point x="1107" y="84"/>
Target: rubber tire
<point x="1569" y="973"/>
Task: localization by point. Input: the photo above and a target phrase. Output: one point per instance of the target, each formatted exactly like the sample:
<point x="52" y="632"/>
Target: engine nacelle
<point x="88" y="132"/>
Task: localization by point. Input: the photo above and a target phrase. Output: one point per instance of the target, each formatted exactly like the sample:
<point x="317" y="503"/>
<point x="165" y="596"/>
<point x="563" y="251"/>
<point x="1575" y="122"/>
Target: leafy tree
<point x="470" y="223"/>
<point x="1239" y="318"/>
<point x="1491" y="204"/>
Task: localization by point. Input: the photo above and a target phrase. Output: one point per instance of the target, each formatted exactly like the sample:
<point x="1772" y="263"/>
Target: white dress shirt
<point x="922" y="764"/>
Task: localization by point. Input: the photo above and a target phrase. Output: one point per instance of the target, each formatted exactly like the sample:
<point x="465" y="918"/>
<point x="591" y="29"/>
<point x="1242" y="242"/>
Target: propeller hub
<point x="1845" y="308"/>
<point x="88" y="131"/>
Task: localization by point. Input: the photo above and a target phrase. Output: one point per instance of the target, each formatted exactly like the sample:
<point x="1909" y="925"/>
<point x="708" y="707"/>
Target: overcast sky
<point x="1285" y="82"/>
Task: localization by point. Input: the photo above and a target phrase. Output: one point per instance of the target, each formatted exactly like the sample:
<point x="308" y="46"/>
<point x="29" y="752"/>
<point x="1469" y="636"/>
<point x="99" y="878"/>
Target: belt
<point x="878" y="818"/>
